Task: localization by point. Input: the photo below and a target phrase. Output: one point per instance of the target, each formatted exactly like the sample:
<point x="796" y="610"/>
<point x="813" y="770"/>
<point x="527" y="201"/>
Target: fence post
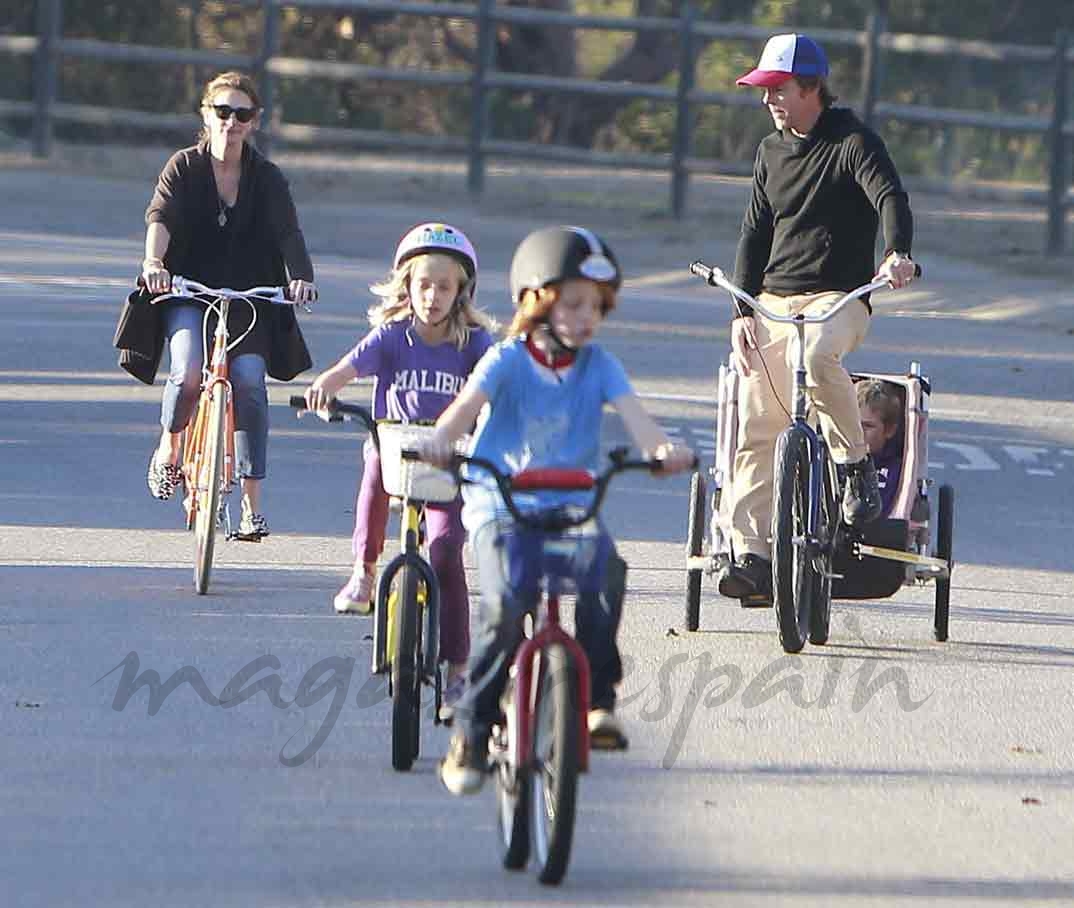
<point x="483" y="60"/>
<point x="875" y="26"/>
<point x="680" y="175"/>
<point x="1059" y="175"/>
<point x="270" y="44"/>
<point x="49" y="19"/>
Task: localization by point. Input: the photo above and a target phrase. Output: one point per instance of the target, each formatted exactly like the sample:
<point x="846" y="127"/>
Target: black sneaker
<point x="861" y="497"/>
<point x="749" y="580"/>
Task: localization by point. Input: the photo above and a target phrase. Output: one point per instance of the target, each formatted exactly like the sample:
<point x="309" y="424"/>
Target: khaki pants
<point x="761" y="414"/>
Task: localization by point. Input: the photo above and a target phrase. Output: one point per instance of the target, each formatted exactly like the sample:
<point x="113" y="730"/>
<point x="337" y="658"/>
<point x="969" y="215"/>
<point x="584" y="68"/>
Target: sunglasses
<point x="242" y="114"/>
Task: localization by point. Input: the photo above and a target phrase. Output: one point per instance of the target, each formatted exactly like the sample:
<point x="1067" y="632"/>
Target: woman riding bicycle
<point x="545" y="386"/>
<point x="223" y="215"/>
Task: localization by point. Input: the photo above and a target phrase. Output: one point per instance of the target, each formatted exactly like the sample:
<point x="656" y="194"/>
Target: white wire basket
<point x="412" y="478"/>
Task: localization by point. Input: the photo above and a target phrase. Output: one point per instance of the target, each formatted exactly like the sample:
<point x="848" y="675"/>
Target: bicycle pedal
<point x="756" y="600"/>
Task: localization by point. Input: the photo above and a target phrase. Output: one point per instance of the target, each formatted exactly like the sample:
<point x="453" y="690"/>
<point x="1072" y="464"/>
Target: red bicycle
<point x="541" y="743"/>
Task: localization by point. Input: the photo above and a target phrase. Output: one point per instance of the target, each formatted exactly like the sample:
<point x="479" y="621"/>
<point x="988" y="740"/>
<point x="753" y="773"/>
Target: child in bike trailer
<point x="881" y="407"/>
<point x="427" y="337"/>
<point x="545" y="387"/>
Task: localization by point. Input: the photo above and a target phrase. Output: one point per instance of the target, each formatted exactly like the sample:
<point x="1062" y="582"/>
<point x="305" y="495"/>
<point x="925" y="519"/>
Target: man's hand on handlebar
<point x="898" y="269"/>
<point x="302" y="292"/>
<point x="743" y="342"/>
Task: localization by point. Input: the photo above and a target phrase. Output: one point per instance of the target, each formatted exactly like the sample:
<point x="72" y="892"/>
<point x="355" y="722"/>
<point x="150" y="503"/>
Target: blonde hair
<point x="234" y="80"/>
<point x="395" y="305"/>
<point x="534" y="306"/>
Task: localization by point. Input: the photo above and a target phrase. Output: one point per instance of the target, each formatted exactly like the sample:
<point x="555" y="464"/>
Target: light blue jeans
<point x="182" y="333"/>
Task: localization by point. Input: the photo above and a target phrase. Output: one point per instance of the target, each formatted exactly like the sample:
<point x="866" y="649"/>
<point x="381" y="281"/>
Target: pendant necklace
<point x="221" y="218"/>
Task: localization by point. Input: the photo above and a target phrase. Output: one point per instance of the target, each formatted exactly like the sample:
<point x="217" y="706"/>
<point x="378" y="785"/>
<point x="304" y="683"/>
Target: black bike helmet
<point x="555" y="254"/>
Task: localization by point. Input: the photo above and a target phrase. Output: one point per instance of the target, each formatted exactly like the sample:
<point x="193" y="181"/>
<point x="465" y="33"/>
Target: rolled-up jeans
<point x="499" y="626"/>
<point x="183" y="336"/>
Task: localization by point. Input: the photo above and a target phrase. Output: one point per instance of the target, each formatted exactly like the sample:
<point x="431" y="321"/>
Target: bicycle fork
<point x="522" y="704"/>
<point x="385" y="638"/>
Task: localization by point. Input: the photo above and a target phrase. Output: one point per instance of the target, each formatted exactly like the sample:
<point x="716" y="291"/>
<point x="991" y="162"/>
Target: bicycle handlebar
<point x="549" y="479"/>
<point x="715" y="277"/>
<point x="187" y="288"/>
<point x="340" y="412"/>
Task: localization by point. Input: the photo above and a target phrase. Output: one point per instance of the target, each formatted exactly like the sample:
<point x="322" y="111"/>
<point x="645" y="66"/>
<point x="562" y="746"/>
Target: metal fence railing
<point x="49" y="46"/>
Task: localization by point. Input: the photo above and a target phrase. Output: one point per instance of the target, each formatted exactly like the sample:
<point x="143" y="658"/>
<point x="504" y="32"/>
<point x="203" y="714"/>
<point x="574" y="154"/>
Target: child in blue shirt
<point x="545" y="387"/>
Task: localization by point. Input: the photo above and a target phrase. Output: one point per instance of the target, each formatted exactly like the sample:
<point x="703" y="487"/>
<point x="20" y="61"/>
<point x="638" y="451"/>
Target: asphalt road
<point x="882" y="769"/>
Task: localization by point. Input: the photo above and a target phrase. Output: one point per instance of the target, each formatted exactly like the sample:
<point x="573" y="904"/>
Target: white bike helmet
<point x="440" y="238"/>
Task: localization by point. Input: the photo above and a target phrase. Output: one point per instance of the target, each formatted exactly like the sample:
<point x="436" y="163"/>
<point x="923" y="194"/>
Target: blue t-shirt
<point x="414" y="380"/>
<point x="538" y="417"/>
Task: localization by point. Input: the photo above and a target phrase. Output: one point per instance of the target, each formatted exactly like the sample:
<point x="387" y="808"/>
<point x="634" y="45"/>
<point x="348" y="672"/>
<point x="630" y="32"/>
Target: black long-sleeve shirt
<point x="815" y="207"/>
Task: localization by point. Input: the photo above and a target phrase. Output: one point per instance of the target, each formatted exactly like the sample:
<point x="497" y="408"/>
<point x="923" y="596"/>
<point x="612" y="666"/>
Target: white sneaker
<point x="356" y="597"/>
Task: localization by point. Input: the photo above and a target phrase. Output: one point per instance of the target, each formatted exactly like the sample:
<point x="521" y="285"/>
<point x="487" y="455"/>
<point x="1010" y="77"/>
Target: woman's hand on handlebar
<point x="302" y="292"/>
<point x="156" y="277"/>
<point x="898" y="269"/>
<point x="743" y="342"/>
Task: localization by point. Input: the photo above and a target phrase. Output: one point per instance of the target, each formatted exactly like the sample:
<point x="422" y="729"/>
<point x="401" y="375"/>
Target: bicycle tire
<point x="820" y="612"/>
<point x="207" y="493"/>
<point x="792" y="573"/>
<point x="406" y="673"/>
<point x="695" y="537"/>
<point x="945" y="531"/>
<point x="553" y="784"/>
<point x="512" y="799"/>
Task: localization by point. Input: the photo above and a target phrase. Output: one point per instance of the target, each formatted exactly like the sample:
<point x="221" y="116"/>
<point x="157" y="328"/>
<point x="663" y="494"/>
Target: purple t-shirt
<point x="413" y="380"/>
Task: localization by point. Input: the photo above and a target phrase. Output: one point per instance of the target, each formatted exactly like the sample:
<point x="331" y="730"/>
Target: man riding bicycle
<point x="822" y="184"/>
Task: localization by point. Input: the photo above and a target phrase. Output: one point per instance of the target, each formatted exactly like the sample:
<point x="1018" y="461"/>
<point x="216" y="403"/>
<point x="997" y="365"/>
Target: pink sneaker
<point x="356" y="597"/>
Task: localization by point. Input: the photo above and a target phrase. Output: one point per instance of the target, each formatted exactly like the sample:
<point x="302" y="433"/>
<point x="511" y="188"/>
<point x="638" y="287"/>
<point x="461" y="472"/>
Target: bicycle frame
<point x="214" y="373"/>
<point x="548" y="632"/>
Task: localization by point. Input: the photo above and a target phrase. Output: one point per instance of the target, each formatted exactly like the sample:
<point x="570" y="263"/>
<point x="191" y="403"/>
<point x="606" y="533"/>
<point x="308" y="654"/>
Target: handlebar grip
<point x="701" y="270"/>
<point x="408" y="454"/>
<point x="917" y="270"/>
<point x="298" y="402"/>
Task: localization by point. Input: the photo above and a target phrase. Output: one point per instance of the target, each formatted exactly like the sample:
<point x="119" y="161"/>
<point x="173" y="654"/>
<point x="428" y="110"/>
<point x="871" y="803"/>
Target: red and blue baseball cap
<point x="783" y="58"/>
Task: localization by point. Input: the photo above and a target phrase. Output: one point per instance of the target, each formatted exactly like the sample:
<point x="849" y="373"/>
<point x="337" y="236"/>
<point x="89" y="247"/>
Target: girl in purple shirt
<point x="427" y="337"/>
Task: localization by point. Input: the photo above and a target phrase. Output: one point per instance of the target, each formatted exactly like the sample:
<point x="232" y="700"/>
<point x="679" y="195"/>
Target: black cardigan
<point x="261" y="244"/>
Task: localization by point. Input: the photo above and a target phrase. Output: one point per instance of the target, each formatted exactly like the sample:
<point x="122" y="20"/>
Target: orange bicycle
<point x="208" y="464"/>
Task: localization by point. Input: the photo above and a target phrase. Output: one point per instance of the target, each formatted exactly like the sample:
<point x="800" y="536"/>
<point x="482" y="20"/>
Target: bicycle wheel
<point x="512" y="793"/>
<point x="406" y="673"/>
<point x="207" y="491"/>
<point x="792" y="571"/>
<point x="695" y="536"/>
<point x="820" y="612"/>
<point x="554" y="768"/>
<point x="945" y="530"/>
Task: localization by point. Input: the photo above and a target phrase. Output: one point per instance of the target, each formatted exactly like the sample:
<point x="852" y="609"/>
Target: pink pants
<point x="445" y="537"/>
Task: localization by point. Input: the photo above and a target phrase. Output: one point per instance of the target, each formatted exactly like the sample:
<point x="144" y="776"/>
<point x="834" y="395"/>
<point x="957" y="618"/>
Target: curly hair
<point x="395" y="305"/>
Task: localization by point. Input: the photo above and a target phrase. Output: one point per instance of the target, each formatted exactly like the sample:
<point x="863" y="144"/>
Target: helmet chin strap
<point x="560" y="346"/>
